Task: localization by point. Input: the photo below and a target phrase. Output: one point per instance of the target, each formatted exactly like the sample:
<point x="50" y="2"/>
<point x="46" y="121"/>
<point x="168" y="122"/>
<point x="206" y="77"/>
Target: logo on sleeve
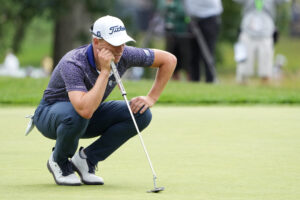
<point x="147" y="52"/>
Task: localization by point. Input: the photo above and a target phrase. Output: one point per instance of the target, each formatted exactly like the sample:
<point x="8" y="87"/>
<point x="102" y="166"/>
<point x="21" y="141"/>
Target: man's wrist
<point x="153" y="98"/>
<point x="105" y="73"/>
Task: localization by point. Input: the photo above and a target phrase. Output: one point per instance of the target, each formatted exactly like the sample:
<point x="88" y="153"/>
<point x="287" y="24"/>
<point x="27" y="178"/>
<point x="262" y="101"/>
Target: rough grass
<point x="211" y="153"/>
<point x="29" y="91"/>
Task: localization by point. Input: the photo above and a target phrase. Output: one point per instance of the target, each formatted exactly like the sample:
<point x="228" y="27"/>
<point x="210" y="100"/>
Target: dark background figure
<point x="176" y="33"/>
<point x="207" y="15"/>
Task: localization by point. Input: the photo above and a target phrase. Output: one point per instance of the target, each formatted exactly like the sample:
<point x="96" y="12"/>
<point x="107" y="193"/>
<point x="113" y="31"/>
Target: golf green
<point x="210" y="153"/>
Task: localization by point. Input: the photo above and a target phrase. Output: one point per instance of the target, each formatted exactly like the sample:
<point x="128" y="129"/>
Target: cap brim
<point x="117" y="41"/>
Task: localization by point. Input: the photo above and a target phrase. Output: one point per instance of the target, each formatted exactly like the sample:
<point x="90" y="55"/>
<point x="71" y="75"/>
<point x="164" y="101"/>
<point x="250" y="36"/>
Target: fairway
<point x="209" y="153"/>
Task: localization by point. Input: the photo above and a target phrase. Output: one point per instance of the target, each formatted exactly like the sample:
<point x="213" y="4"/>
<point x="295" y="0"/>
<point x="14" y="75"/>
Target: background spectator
<point x="256" y="38"/>
<point x="206" y="14"/>
<point x="177" y="37"/>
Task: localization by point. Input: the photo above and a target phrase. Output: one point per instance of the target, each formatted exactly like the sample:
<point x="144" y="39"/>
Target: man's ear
<point x="95" y="41"/>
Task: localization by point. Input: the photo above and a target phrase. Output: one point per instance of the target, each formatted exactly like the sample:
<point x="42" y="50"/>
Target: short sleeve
<point x="73" y="77"/>
<point x="141" y="57"/>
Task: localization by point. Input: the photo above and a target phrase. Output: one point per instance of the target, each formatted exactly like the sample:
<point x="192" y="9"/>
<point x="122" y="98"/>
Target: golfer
<point x="73" y="104"/>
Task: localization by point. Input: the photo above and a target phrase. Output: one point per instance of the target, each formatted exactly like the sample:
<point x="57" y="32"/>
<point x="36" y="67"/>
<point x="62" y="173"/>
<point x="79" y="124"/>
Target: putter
<point x="123" y="92"/>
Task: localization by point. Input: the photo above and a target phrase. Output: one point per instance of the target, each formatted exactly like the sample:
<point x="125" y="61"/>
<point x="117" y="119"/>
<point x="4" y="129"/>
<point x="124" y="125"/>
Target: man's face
<point x="117" y="51"/>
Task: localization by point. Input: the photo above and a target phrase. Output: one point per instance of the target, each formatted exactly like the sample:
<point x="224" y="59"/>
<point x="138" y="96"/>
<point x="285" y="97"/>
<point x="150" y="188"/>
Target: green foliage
<point x="283" y="18"/>
<point x="289" y="47"/>
<point x="231" y="18"/>
<point x="37" y="43"/>
<point x="39" y="37"/>
<point x="14" y="18"/>
<point x="103" y="6"/>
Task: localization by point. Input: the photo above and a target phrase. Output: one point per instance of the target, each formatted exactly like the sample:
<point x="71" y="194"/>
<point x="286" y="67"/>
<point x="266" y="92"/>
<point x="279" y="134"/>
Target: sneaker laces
<point x="66" y="168"/>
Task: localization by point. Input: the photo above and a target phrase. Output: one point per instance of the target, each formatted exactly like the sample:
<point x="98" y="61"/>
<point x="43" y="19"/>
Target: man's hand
<point x="105" y="56"/>
<point x="143" y="101"/>
<point x="165" y="62"/>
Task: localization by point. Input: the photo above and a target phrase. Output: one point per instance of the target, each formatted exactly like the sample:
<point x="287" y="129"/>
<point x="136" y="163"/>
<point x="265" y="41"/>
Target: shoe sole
<point x="58" y="183"/>
<point x="85" y="182"/>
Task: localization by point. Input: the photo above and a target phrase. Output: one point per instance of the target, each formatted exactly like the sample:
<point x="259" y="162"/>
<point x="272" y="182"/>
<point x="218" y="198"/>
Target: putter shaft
<point x="120" y="84"/>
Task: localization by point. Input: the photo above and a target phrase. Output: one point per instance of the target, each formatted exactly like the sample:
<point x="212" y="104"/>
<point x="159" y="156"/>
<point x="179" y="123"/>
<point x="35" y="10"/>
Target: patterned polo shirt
<point x="77" y="71"/>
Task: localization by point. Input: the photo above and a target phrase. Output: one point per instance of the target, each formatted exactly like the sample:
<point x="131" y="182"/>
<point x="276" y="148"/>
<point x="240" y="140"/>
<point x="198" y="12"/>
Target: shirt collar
<point x="90" y="56"/>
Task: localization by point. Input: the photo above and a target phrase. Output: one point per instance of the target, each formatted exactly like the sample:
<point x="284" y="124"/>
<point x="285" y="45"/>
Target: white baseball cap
<point x="111" y="29"/>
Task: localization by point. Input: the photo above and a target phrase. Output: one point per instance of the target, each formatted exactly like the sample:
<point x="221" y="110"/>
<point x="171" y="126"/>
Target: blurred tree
<point x="71" y="26"/>
<point x="295" y="18"/>
<point x="283" y="18"/>
<point x="231" y="18"/>
<point x="72" y="19"/>
<point x="14" y="19"/>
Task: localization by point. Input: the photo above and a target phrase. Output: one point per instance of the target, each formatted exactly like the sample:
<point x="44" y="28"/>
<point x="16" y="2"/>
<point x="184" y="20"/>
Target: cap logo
<point x="98" y="34"/>
<point x="115" y="29"/>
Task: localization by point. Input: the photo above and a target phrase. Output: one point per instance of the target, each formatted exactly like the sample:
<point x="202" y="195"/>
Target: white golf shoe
<point x="63" y="175"/>
<point x="85" y="170"/>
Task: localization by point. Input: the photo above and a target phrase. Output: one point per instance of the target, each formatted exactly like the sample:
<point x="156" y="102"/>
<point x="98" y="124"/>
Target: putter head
<point x="156" y="190"/>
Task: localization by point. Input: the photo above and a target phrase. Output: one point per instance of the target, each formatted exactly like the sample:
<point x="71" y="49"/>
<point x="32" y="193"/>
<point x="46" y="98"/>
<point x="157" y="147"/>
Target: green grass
<point x="211" y="153"/>
<point x="290" y="48"/>
<point x="29" y="91"/>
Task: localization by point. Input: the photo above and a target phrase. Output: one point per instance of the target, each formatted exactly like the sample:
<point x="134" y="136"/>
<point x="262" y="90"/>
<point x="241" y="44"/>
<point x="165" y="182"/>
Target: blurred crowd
<point x="257" y="37"/>
<point x="191" y="32"/>
<point x="191" y="29"/>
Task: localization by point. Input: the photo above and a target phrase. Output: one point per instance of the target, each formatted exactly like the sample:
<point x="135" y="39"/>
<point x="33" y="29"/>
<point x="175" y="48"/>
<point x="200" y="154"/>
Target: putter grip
<point x="117" y="77"/>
